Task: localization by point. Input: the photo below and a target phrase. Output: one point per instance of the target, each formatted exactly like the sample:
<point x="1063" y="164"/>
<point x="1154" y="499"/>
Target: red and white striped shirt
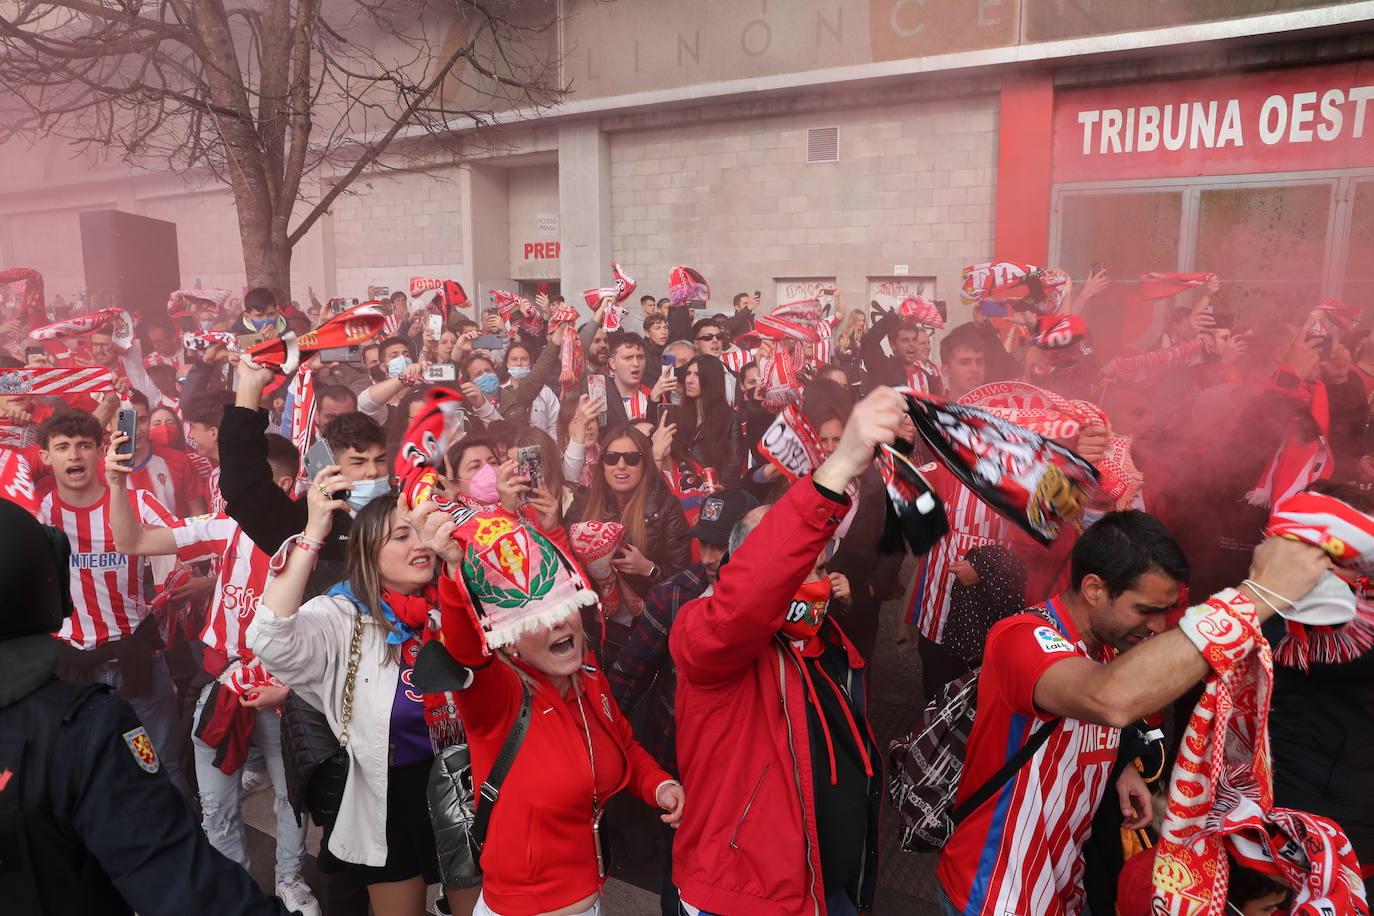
<point x="172" y="479"/>
<point x="243" y="575"/>
<point x="637" y="404"/>
<point x="1022" y="851"/>
<point x="107" y="586"/>
<point x="972" y="523"/>
<point x="825" y="344"/>
<point x="923" y="378"/>
<point x="736" y="359"/>
<point x="215" y="503"/>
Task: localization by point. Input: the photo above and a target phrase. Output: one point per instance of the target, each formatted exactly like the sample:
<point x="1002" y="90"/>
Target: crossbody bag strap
<point x="1004" y="775"/>
<point x="1027" y="751"/>
<point x="491" y="788"/>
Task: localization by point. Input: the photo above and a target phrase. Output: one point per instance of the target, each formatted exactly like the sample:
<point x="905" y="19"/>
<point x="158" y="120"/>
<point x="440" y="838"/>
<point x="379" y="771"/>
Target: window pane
<point x="1266" y="244"/>
<point x="1130" y="233"/>
<point x="1359" y="266"/>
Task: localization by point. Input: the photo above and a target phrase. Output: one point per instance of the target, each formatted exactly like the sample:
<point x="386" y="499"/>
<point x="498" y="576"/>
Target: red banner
<point x="1274" y="121"/>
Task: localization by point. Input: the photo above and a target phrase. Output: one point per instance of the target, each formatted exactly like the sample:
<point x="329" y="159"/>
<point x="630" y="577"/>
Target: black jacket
<point x="665" y="530"/>
<point x="268" y="516"/>
<point x="1321" y="729"/>
<point x="731" y="465"/>
<point x="89" y="826"/>
<point x="881" y="369"/>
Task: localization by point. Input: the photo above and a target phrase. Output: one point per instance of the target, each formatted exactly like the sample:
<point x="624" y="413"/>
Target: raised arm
<point x="489" y="700"/>
<point x="716" y="638"/>
<point x="130" y="537"/>
<point x="1162" y="668"/>
<point x="283" y="594"/>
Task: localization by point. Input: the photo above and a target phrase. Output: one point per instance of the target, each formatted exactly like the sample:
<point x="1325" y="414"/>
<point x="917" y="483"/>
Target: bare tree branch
<point x="263" y="94"/>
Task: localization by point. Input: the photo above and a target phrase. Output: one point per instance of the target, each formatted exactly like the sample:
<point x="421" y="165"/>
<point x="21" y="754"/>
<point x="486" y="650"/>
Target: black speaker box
<point x="131" y="261"/>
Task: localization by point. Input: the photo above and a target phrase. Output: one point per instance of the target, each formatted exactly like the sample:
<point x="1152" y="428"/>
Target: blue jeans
<point x="946" y="907"/>
<point x="222" y="793"/>
<point x="157" y="712"/>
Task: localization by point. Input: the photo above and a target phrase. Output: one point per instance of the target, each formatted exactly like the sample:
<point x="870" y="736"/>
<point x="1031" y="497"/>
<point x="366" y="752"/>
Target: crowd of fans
<point x="218" y="577"/>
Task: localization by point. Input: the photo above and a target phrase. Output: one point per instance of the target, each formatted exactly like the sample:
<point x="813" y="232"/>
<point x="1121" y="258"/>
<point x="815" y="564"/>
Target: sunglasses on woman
<point x="611" y="459"/>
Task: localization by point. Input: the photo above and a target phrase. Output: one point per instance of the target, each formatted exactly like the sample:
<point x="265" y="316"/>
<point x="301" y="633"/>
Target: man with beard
<point x="644" y="671"/>
<point x="1070" y="675"/>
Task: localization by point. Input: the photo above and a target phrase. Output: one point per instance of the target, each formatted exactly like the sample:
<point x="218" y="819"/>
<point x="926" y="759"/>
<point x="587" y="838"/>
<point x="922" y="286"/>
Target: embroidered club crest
<point x="501" y="563"/>
<point x="509" y="555"/>
<point x="711" y="509"/>
<point x="141" y="746"/>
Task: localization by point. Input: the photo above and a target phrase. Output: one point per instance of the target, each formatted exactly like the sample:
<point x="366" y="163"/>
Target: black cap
<point x="719" y="513"/>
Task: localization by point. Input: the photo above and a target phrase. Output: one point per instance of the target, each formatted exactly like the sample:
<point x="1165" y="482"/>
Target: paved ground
<point x="906" y="883"/>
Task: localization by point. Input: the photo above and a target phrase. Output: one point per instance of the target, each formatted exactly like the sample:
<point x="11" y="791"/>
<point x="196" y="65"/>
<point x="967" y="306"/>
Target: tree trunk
<point x="266" y="251"/>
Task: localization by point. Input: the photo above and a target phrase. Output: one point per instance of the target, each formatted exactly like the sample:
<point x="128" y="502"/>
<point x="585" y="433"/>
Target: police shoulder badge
<point x="141" y="746"/>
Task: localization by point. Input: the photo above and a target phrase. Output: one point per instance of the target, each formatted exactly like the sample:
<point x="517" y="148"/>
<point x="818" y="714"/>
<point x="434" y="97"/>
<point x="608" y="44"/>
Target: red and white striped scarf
<point x="1347" y="535"/>
<point x="1298" y="461"/>
<point x="1221" y="795"/>
<point x="303" y="413"/>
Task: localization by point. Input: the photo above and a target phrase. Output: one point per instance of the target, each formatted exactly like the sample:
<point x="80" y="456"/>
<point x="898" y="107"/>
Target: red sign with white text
<point x="1274" y="121"/>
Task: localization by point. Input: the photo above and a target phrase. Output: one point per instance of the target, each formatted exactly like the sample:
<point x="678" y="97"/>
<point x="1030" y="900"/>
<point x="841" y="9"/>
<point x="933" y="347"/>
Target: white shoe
<point x="253" y="780"/>
<point x="295" y="893"/>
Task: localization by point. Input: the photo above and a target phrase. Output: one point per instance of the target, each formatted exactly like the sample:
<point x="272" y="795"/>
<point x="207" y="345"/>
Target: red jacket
<point x="748" y="840"/>
<point x="539" y="854"/>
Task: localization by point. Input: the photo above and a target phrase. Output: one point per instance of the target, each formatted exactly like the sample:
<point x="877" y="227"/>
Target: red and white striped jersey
<point x="736" y="359"/>
<point x="172" y="479"/>
<point x="637" y="404"/>
<point x="243" y="575"/>
<point x="215" y="503"/>
<point x="924" y="378"/>
<point x="107" y="586"/>
<point x="1021" y="852"/>
<point x="972" y="523"/>
<point x="825" y="344"/>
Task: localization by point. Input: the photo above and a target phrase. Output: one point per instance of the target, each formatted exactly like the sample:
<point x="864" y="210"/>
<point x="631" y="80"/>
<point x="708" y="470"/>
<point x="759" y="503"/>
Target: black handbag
<point x="315" y="759"/>
<point x="458" y="814"/>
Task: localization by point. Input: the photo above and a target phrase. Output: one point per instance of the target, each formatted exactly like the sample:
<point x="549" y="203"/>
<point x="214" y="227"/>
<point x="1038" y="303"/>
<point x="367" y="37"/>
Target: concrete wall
<point x="737" y="200"/>
<point x="208" y="244"/>
<point x="396" y="226"/>
<point x="533" y="199"/>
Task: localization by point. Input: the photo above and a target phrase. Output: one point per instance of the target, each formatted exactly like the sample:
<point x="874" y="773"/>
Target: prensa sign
<point x="1275" y="121"/>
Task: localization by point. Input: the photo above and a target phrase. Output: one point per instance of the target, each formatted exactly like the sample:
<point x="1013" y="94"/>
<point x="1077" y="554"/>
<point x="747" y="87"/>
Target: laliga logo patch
<point x="710" y="512"/>
<point x="141" y="746"/>
<point x="1050" y="641"/>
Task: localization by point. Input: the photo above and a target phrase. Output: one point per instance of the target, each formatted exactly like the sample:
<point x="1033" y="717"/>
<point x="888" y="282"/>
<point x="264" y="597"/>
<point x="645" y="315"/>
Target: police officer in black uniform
<point x="89" y="823"/>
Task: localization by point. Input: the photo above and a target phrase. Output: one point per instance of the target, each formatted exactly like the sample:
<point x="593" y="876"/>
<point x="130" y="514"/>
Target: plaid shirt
<point x="644" y="669"/>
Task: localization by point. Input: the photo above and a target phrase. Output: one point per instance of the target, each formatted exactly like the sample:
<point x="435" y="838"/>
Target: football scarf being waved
<point x="283" y="354"/>
<point x="32" y="304"/>
<point x="1334" y="623"/>
<point x="1221" y="795"/>
<point x="1036" y="483"/>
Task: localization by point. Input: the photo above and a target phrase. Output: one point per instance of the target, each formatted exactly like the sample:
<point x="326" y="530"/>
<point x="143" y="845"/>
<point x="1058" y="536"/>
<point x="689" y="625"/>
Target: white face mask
<point x="362" y="492"/>
<point x="1331" y="602"/>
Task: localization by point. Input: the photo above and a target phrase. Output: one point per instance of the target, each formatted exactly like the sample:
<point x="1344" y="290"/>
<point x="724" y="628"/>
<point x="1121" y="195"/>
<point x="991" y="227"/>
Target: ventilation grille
<point x="823" y="144"/>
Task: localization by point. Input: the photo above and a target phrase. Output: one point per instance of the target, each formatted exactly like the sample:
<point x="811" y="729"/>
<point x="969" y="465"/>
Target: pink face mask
<point x="482" y="485"/>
